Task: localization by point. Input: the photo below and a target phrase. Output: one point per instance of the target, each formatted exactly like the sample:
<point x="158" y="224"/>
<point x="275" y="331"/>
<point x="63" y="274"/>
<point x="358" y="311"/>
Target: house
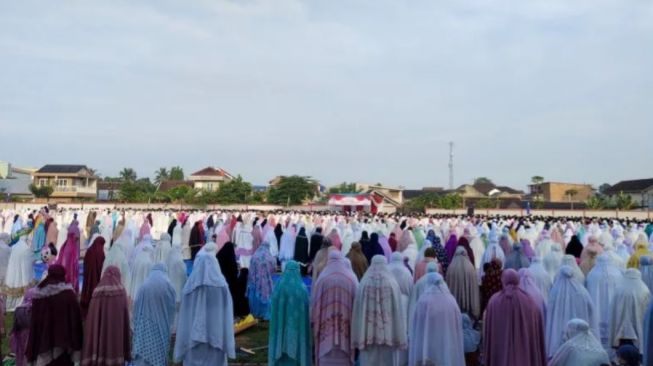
<point x="395" y="194"/>
<point x="209" y="178"/>
<point x="557" y="192"/>
<point x="14" y="182"/>
<point x="70" y="182"/>
<point x="487" y="190"/>
<point x="108" y="191"/>
<point x="640" y="191"/>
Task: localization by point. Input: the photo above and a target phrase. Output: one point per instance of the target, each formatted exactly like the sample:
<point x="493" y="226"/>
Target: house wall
<point x="555" y="192"/>
<point x="207" y="185"/>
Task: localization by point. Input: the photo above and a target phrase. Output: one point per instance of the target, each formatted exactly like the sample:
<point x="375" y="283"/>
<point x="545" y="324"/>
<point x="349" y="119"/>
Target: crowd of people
<point x="382" y="289"/>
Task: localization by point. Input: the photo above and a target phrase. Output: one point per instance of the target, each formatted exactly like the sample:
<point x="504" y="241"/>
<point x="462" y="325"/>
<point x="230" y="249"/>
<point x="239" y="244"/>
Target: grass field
<point x="256" y="336"/>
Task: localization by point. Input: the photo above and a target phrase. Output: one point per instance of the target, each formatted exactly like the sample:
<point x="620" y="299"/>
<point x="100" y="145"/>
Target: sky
<point x="340" y="90"/>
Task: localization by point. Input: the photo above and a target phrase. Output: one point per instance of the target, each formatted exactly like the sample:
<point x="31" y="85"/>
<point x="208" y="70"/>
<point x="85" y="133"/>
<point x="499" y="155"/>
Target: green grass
<point x="256" y="336"/>
<point x="9" y="323"/>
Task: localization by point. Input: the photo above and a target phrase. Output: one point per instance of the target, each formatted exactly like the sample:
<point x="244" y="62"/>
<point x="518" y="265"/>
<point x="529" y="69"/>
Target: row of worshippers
<point x="248" y="229"/>
<point x="52" y="328"/>
<point x="557" y="296"/>
<point x="374" y="321"/>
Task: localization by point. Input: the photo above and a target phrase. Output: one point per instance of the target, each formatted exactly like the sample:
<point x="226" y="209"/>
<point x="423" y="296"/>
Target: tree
<point x="160" y="175"/>
<point x="234" y="191"/>
<point x="537" y="180"/>
<point x="293" y="190"/>
<point x="571" y="193"/>
<point x="128" y="174"/>
<point x="624" y="201"/>
<point x="451" y="201"/>
<point x="41" y="191"/>
<point x="486" y="203"/>
<point x="483" y="180"/>
<point x="536" y="190"/>
<point x="422" y="202"/>
<point x="176" y="173"/>
<point x="603" y="188"/>
<point x="137" y="191"/>
<point x="596" y="202"/>
<point x="344" y="187"/>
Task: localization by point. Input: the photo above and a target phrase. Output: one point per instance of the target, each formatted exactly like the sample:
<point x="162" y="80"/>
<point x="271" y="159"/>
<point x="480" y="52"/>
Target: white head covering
<point x="436" y="331"/>
<point x="630" y="303"/>
<point x="541" y="276"/>
<point x="140" y="269"/>
<point x="568" y="299"/>
<point x="162" y="249"/>
<point x="581" y="347"/>
<point x="602" y="283"/>
<point x="553" y="260"/>
<point x="377" y="315"/>
<point x="570" y="260"/>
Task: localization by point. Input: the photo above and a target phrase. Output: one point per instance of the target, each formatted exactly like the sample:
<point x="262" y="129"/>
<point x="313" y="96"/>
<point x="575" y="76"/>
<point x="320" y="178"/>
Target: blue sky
<point x="340" y="90"/>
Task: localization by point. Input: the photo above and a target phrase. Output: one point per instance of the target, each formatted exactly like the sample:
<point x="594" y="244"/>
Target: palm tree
<point x="128" y="174"/>
<point x="160" y="175"/>
<point x="537" y="182"/>
<point x="571" y="193"/>
<point x="536" y="179"/>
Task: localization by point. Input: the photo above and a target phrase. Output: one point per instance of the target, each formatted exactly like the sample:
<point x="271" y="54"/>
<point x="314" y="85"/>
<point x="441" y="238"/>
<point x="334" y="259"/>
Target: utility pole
<point x="450" y="164"/>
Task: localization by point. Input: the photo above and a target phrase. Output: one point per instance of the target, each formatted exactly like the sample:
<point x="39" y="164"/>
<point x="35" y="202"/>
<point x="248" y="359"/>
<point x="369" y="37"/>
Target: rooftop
<point x="167" y="185"/>
<point x="630" y="186"/>
<point x="62" y="168"/>
<point x="212" y="172"/>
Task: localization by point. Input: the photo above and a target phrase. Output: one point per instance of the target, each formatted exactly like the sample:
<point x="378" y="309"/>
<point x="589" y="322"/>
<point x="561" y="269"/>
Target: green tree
<point x="179" y="193"/>
<point x="140" y="190"/>
<point x="128" y="175"/>
<point x="483" y="180"/>
<point x="258" y="197"/>
<point x="451" y="201"/>
<point x="603" y="188"/>
<point x="234" y="191"/>
<point x="160" y="175"/>
<point x="41" y="191"/>
<point x="176" y="173"/>
<point x="344" y="187"/>
<point x="422" y="202"/>
<point x="570" y="193"/>
<point x="624" y="201"/>
<point x="486" y="203"/>
<point x="292" y="190"/>
<point x="596" y="202"/>
<point x="536" y="179"/>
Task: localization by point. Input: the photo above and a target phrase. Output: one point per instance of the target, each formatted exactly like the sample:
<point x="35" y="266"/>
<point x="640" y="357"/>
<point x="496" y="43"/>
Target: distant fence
<point x="160" y="206"/>
<point x="637" y="215"/>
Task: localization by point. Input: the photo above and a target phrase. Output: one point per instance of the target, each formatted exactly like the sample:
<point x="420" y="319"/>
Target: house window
<point x="62" y="182"/>
<point x="43" y="182"/>
<point x="209" y="186"/>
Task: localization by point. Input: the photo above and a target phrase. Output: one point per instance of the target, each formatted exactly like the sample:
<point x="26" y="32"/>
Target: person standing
<point x="205" y="332"/>
<point x="55" y="335"/>
<point x="107" y="334"/>
<point x="153" y="316"/>
<point x="332" y="303"/>
<point x="290" y="329"/>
